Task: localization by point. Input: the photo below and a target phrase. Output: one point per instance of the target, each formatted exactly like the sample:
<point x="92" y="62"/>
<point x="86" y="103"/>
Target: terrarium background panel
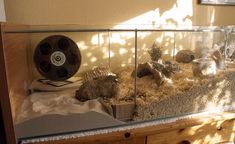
<point x="148" y="40"/>
<point x="122" y="63"/>
<point x="122" y="50"/>
<point x="184" y="41"/>
<point x="200" y="43"/>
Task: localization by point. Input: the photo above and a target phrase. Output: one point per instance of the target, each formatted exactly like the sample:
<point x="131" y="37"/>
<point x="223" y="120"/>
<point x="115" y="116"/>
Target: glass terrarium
<point x="88" y="78"/>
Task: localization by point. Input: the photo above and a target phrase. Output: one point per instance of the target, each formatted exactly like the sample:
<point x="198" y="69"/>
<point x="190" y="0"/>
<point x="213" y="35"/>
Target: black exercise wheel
<point x="57" y="58"/>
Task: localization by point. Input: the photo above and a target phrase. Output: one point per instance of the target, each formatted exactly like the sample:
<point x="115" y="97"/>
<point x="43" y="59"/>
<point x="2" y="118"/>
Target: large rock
<point x="185" y="56"/>
<point x="104" y="87"/>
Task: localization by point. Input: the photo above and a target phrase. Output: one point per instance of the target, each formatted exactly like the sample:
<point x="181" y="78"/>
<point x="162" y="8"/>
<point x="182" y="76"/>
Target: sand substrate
<point x="181" y="94"/>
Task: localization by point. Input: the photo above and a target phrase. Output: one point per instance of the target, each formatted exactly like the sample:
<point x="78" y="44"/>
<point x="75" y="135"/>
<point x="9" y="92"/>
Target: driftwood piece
<point x="150" y="69"/>
<point x="158" y="76"/>
<point x="218" y="58"/>
<point x="185" y="56"/>
<point x="167" y="68"/>
<point x="147" y="68"/>
<point x="104" y="87"/>
<point x="143" y="70"/>
<point x="204" y="67"/>
<point x="170" y="68"/>
<point x="159" y="71"/>
<point x="231" y="50"/>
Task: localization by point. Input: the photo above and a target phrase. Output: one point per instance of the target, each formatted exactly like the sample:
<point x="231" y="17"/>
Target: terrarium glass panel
<point x="183" y="72"/>
<point x="123" y="76"/>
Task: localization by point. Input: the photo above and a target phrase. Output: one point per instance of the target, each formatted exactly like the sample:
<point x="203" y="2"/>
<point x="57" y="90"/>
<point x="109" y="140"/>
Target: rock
<point x="155" y="52"/>
<point x="104" y="87"/>
<point x="185" y="56"/>
<point x="204" y="67"/>
<point x="96" y="73"/>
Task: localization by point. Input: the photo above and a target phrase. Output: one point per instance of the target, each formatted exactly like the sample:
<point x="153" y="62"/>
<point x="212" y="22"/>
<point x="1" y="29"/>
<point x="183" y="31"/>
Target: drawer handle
<point x="127" y="135"/>
<point x="184" y="142"/>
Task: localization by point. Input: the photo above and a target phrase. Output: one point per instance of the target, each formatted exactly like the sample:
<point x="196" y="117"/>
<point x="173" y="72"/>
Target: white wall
<point x="101" y="12"/>
<point x="2" y="11"/>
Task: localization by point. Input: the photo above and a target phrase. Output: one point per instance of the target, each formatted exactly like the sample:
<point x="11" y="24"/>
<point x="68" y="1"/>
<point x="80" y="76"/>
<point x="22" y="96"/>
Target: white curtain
<point x="2" y="11"/>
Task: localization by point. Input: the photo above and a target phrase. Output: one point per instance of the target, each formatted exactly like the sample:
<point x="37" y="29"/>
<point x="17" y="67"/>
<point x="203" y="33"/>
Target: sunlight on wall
<point x="212" y="21"/>
<point x="82" y="45"/>
<point x="122" y="51"/>
<point x="98" y="39"/>
<point x="93" y="59"/>
<point x="118" y="45"/>
<point x="179" y="14"/>
<point x="117" y="38"/>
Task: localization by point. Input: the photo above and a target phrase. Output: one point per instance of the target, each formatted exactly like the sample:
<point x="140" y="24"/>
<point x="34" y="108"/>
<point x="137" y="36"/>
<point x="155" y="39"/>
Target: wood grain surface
<point x="17" y="69"/>
<point x="4" y="97"/>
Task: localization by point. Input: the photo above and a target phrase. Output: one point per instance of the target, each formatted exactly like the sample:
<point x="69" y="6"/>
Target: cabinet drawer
<point x="210" y="133"/>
